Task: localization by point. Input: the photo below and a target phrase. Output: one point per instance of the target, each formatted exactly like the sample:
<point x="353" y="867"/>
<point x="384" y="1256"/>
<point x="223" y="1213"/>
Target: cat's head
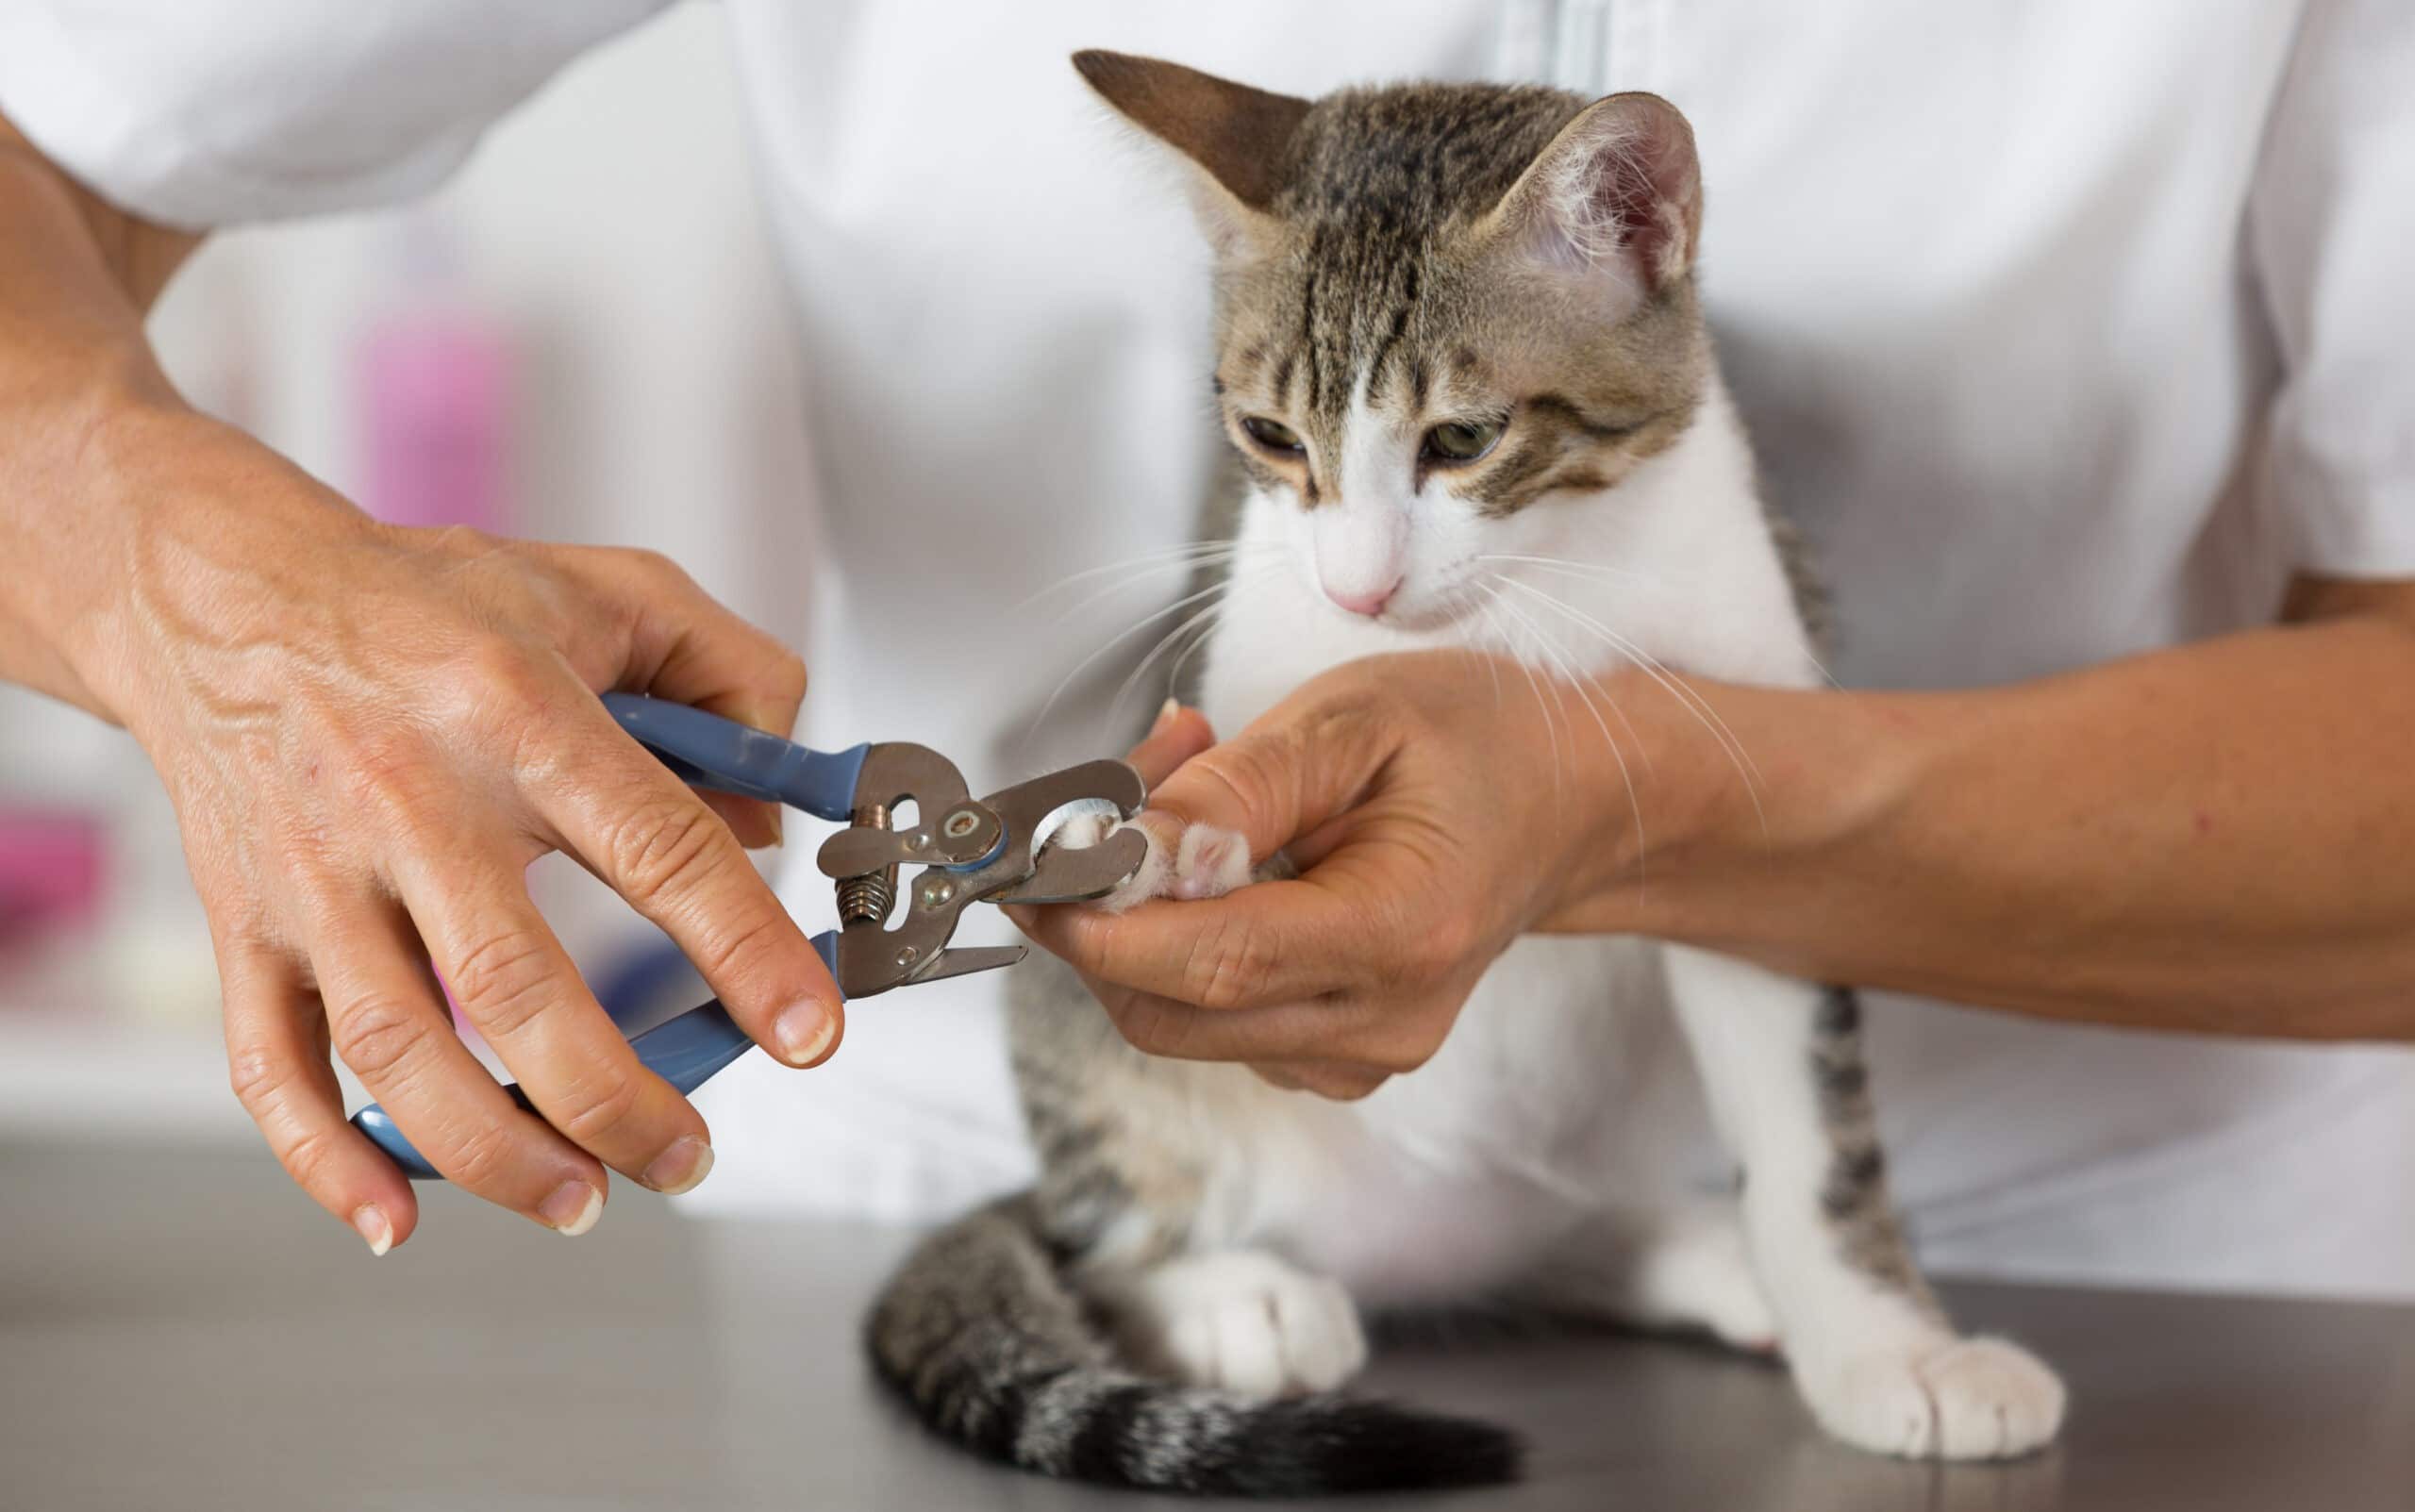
<point x="1439" y="306"/>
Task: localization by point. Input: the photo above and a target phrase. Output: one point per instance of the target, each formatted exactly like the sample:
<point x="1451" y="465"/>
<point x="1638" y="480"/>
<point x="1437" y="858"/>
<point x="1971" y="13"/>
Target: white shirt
<point x="2066" y="329"/>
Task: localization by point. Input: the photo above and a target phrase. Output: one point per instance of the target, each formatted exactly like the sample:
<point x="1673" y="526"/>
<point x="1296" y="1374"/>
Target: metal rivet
<point x="963" y="822"/>
<point x="937" y="891"/>
<point x="908" y="955"/>
<point x="919" y="839"/>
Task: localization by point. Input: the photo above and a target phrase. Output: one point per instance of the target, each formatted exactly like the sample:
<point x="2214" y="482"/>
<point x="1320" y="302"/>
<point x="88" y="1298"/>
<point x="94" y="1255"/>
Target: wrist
<point x="161" y="516"/>
<point x="63" y="522"/>
<point x="1740" y="809"/>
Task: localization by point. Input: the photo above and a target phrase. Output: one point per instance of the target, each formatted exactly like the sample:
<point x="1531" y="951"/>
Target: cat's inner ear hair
<point x="1235" y="136"/>
<point x="1618" y="188"/>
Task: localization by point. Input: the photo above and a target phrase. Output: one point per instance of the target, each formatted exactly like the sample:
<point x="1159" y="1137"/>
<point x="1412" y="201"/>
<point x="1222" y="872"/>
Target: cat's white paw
<point x="1242" y="1321"/>
<point x="1203" y="861"/>
<point x="1946" y="1399"/>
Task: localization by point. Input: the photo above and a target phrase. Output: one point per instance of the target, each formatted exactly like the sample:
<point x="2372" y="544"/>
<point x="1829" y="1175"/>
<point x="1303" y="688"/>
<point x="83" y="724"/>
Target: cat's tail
<point x="979" y="1332"/>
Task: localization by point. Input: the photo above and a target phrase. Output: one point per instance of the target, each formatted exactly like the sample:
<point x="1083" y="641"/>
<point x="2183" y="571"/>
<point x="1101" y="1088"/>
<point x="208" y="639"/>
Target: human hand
<point x="1433" y="822"/>
<point x="369" y="733"/>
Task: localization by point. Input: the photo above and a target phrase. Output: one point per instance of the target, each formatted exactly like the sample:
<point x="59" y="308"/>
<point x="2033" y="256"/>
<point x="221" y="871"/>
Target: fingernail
<point x="680" y="1169"/>
<point x="369" y="1222"/>
<point x="1165" y="716"/>
<point x="779" y="825"/>
<point x="573" y="1209"/>
<point x="803" y="1032"/>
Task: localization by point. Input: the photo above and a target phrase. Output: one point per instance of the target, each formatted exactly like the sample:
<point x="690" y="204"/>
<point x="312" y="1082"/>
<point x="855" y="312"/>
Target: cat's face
<point x="1439" y="309"/>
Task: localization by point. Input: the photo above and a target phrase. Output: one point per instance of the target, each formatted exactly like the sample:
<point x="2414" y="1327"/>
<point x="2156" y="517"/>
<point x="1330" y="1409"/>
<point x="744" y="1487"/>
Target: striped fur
<point x="982" y="1337"/>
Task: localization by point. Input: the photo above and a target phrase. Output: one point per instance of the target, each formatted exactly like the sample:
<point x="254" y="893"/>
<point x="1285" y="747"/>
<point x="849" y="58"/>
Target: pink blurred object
<point x="51" y="870"/>
<point x="435" y="389"/>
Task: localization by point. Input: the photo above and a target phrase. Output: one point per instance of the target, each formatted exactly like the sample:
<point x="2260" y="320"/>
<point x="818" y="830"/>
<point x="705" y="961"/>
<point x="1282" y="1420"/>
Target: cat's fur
<point x="1173" y="1303"/>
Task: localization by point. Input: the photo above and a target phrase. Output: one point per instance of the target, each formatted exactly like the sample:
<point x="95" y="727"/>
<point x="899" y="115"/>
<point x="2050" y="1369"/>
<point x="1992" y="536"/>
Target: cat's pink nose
<point x="1368" y="602"/>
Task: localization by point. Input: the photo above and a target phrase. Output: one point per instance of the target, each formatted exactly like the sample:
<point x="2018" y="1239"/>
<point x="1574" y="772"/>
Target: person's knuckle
<point x="257" y="1076"/>
<point x="503" y="980"/>
<point x="729" y="951"/>
<point x="478" y="1156"/>
<point x="600" y="1107"/>
<point x="662" y="850"/>
<point x="1229" y="964"/>
<point x="648" y="563"/>
<point x="784" y="673"/>
<point x="310" y="1158"/>
<point x="502" y="684"/>
<point x="378" y="1035"/>
<point x="1152" y="1028"/>
<point x="386" y="770"/>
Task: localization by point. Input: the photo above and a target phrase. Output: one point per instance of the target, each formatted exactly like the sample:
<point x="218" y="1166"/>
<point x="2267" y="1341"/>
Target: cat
<point x="1461" y="356"/>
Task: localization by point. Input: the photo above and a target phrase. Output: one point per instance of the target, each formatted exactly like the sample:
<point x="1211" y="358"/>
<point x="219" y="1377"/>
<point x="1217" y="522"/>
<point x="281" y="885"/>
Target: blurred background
<point x="475" y="359"/>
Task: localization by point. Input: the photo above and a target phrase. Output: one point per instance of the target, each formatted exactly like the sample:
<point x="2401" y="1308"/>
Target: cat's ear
<point x="1232" y="135"/>
<point x="1618" y="188"/>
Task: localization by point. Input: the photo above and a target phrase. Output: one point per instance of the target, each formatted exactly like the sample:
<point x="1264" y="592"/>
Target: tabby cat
<point x="1460" y="356"/>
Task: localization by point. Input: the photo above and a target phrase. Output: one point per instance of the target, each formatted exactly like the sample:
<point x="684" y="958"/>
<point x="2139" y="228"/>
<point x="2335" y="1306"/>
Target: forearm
<point x="76" y="276"/>
<point x="2214" y="837"/>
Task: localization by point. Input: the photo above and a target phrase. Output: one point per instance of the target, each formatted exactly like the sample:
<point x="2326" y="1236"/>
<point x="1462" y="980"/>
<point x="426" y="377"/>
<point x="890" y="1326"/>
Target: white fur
<point x="1553" y="1144"/>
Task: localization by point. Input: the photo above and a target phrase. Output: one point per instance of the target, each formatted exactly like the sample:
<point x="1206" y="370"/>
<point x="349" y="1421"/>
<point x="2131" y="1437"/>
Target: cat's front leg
<point x="1869" y="1346"/>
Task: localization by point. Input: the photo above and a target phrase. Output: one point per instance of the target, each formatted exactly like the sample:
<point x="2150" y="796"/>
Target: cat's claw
<point x="1955" y="1399"/>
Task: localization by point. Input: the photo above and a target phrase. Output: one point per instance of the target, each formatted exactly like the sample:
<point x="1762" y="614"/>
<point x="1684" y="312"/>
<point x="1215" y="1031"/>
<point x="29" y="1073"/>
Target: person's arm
<point x="368" y="733"/>
<point x="2217" y="837"/>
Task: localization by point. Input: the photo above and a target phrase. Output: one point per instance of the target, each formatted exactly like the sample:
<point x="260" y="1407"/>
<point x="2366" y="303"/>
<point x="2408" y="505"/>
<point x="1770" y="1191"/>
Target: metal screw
<point x="960" y="824"/>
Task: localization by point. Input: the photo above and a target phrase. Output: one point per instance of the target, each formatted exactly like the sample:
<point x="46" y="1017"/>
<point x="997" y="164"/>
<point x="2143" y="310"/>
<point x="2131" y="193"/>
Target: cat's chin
<point x="1421" y="621"/>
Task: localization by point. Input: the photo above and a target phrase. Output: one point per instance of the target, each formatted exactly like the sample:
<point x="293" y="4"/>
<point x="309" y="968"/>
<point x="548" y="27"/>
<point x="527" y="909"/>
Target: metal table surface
<point x="179" y="1329"/>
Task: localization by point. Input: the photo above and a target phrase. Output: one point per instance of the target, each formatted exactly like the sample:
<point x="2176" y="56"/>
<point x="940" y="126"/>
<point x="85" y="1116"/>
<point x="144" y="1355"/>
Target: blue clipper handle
<point x="708" y="751"/>
<point x="685" y="1051"/>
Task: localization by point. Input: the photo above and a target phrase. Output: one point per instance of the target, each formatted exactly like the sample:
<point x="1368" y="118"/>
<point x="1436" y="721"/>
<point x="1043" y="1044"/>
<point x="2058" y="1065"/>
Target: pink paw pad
<point x="1200" y="863"/>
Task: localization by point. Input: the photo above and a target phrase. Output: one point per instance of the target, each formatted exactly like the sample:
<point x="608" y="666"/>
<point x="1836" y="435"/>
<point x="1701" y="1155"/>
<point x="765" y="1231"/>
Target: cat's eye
<point x="1271" y="434"/>
<point x="1461" y="441"/>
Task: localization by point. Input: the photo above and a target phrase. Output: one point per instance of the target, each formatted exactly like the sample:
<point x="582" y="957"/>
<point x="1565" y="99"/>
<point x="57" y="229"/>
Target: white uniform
<point x="2067" y="329"/>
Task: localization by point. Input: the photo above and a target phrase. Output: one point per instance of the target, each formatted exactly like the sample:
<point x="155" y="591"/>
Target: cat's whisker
<point x="1110" y="643"/>
<point x="1576" y="569"/>
<point x="1165" y="642"/>
<point x="1522" y="618"/>
<point x="1173" y="673"/>
<point x="1600" y="571"/>
<point x="1188" y="553"/>
<point x="1687" y="697"/>
<point x="1584" y="691"/>
<point x="1188" y="564"/>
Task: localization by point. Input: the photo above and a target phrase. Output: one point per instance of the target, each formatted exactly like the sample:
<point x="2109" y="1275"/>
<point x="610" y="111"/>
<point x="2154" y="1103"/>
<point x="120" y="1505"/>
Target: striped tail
<point x="981" y="1335"/>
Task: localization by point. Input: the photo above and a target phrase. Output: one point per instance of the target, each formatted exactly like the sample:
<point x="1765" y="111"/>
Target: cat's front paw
<point x="1242" y="1321"/>
<point x="1947" y="1399"/>
<point x="1199" y="861"/>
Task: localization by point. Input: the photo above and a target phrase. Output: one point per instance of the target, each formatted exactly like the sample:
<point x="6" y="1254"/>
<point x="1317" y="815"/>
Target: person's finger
<point x="1302" y="1034"/>
<point x="517" y="985"/>
<point x="1274" y="943"/>
<point x="1336" y="1080"/>
<point x="685" y="645"/>
<point x="1307" y="760"/>
<point x="276" y="1060"/>
<point x="1178" y="735"/>
<point x="629" y="821"/>
<point x="390" y="1024"/>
